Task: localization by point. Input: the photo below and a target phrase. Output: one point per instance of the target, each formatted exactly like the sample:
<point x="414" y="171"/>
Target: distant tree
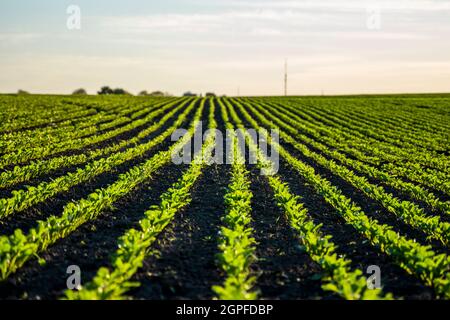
<point x="157" y="94"/>
<point x="22" y="92"/>
<point x="210" y="94"/>
<point x="189" y="94"/>
<point x="105" y="90"/>
<point x="80" y="91"/>
<point x="120" y="91"/>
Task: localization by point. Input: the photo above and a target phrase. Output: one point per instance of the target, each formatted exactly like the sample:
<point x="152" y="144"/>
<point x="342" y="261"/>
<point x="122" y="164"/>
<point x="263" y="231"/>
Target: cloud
<point x="252" y="25"/>
<point x="308" y="18"/>
<point x="420" y="5"/>
<point x="154" y="23"/>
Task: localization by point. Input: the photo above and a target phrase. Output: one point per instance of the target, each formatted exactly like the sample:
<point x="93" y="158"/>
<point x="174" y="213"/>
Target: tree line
<point x="106" y="90"/>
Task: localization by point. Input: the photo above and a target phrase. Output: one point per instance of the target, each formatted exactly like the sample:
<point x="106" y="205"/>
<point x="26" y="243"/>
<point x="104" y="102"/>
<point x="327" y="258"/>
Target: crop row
<point x="295" y="127"/>
<point x="404" y="210"/>
<point x="379" y="130"/>
<point x="133" y="246"/>
<point x="22" y="113"/>
<point x="338" y="277"/>
<point x="383" y="150"/>
<point x="396" y="127"/>
<point x="99" y="122"/>
<point x="40" y="167"/>
<point x="433" y="269"/>
<point x="407" y="114"/>
<point x="27" y="114"/>
<point x="360" y="149"/>
<point x="23" y="155"/>
<point x="236" y="244"/>
<point x="18" y="248"/>
<point x="25" y="198"/>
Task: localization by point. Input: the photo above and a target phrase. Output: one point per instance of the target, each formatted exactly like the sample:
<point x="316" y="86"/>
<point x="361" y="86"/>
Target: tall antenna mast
<point x="285" y="77"/>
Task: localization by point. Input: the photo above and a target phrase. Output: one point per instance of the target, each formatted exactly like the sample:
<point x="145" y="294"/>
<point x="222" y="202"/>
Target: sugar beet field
<point x="88" y="189"/>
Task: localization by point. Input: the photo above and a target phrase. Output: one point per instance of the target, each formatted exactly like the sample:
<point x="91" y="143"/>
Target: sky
<point x="226" y="46"/>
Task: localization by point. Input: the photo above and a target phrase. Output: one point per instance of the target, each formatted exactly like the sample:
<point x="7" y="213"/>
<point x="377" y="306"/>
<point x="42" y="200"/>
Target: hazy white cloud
<point x="205" y="23"/>
<point x="418" y="5"/>
<point x="154" y="23"/>
<point x="346" y="19"/>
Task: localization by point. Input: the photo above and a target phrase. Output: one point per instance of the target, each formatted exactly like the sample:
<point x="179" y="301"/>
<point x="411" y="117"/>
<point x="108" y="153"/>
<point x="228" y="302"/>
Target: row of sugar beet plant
<point x="373" y="157"/>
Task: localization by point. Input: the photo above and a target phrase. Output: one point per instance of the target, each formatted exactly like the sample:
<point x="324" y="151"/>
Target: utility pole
<point x="239" y="91"/>
<point x="285" y="77"/>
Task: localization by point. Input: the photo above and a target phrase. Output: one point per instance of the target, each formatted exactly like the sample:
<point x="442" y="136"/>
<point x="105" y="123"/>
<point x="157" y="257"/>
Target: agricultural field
<point x="89" y="189"/>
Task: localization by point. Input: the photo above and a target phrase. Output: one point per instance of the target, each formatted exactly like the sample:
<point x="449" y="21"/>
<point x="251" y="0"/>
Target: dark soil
<point x="185" y="266"/>
<point x="355" y="246"/>
<point x="371" y="208"/>
<point x="90" y="246"/>
<point x="188" y="245"/>
<point x="285" y="271"/>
